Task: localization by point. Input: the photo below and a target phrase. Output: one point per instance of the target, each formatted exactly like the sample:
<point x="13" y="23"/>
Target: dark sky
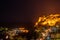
<point x="27" y="10"/>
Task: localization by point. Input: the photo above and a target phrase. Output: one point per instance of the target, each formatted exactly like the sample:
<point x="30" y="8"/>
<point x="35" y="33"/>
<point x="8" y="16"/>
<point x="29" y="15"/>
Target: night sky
<point x="27" y="10"/>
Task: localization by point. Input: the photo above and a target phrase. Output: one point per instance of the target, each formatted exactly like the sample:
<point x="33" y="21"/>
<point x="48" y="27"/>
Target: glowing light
<point x="39" y="19"/>
<point x="43" y="34"/>
<point x="41" y="39"/>
<point x="21" y="28"/>
<point x="57" y="26"/>
<point x="23" y="31"/>
<point x="27" y="31"/>
<point x="6" y="37"/>
<point x="36" y="23"/>
<point x="50" y="20"/>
